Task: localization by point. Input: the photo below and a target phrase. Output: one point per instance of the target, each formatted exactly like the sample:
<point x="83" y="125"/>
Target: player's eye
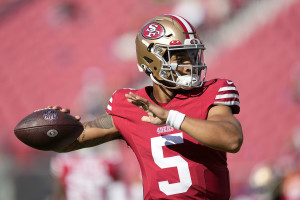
<point x="180" y="60"/>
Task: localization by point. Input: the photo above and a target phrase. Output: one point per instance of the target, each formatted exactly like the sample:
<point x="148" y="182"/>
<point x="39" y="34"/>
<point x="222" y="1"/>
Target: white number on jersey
<point x="176" y="161"/>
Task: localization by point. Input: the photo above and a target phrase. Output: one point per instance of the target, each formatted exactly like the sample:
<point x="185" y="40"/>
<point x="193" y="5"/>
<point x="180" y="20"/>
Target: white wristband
<point x="175" y="119"/>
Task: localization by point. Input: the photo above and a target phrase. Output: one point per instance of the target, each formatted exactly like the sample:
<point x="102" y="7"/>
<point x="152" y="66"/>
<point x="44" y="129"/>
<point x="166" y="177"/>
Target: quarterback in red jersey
<point x="181" y="127"/>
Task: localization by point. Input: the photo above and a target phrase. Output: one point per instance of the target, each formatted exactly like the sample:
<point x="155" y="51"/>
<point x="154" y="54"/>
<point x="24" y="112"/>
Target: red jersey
<point x="173" y="164"/>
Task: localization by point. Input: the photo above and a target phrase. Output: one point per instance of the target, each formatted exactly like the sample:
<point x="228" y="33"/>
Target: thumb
<point x="145" y="119"/>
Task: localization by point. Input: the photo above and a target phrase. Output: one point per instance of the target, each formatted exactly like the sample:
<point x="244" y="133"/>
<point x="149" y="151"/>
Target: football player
<point x="181" y="127"/>
<point x="87" y="174"/>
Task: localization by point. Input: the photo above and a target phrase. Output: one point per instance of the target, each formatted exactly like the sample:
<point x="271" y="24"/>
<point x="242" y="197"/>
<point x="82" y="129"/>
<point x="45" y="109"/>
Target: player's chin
<point x="169" y="84"/>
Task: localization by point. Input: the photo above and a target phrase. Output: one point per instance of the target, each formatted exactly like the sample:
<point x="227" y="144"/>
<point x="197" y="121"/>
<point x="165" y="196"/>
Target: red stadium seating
<point x="44" y="52"/>
<point x="262" y="68"/>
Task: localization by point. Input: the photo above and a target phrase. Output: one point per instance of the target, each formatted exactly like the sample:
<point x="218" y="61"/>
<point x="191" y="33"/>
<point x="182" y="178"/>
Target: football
<point x="48" y="129"/>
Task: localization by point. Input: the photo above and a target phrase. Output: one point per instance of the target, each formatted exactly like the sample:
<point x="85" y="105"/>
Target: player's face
<point x="187" y="58"/>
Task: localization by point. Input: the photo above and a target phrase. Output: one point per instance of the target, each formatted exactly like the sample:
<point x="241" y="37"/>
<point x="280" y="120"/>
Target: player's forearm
<point x="95" y="132"/>
<point x="220" y="135"/>
<point x="91" y="137"/>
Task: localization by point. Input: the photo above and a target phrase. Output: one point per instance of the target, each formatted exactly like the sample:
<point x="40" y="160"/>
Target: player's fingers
<point x="78" y="117"/>
<point x="146" y="119"/>
<point x="133" y="96"/>
<point x="141" y="105"/>
<point x="41" y="109"/>
<point x="130" y="96"/>
<point x="65" y="110"/>
<point x="135" y="101"/>
<point x="129" y="99"/>
<point x="56" y="108"/>
<point x="151" y="114"/>
<point x="139" y="98"/>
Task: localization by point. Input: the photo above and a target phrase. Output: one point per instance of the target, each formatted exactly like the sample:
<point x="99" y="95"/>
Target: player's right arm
<point x="95" y="132"/>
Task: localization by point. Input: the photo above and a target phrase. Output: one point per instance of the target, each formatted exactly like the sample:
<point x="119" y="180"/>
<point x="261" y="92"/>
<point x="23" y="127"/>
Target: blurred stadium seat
<point x="261" y="67"/>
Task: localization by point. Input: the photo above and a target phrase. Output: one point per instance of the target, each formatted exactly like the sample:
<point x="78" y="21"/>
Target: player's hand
<point x="156" y="114"/>
<point x="64" y="110"/>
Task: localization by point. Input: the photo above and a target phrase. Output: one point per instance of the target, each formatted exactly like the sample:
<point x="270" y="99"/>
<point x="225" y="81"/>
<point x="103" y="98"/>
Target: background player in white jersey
<point x="181" y="127"/>
<point x="89" y="174"/>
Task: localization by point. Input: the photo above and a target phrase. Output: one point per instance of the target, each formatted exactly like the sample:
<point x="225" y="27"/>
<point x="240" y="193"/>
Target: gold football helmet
<point x="160" y="40"/>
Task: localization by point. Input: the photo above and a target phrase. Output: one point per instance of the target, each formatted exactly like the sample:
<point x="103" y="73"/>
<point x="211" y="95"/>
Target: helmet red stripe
<point x="185" y="28"/>
<point x="194" y="31"/>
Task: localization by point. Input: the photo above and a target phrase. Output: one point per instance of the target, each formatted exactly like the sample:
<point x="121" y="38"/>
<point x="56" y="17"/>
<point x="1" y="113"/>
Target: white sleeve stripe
<point x="227" y="103"/>
<point x="109" y="107"/>
<point x="227" y="88"/>
<point x="110" y="100"/>
<point x="224" y="96"/>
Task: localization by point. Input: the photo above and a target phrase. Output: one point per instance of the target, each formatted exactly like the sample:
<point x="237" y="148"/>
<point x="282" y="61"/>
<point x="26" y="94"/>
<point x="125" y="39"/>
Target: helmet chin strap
<point x="158" y="83"/>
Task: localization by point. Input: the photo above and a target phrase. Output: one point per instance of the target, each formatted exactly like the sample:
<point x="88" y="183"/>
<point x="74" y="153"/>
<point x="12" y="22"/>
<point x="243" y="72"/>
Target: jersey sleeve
<point x="113" y="104"/>
<point x="121" y="110"/>
<point x="109" y="105"/>
<point x="117" y="104"/>
<point x="228" y="95"/>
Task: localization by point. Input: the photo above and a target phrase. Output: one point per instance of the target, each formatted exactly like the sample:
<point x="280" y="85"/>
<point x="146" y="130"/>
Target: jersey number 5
<point x="166" y="162"/>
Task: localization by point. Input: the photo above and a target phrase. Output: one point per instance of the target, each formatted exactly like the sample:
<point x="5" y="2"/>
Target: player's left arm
<point x="220" y="131"/>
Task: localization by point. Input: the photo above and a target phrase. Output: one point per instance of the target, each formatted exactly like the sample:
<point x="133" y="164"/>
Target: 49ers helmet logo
<point x="153" y="31"/>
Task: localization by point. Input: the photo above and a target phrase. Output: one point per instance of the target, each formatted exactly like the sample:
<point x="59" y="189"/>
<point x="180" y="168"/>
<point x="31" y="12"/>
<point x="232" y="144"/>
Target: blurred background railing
<point x="76" y="53"/>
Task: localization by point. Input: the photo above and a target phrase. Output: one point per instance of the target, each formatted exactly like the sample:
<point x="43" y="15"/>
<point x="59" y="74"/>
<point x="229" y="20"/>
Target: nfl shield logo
<point x="50" y="115"/>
